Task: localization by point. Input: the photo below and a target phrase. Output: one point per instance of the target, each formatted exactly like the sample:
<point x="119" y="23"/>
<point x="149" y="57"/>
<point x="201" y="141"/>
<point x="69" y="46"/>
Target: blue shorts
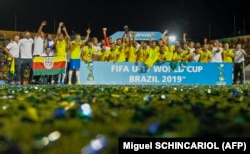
<point x="74" y="64"/>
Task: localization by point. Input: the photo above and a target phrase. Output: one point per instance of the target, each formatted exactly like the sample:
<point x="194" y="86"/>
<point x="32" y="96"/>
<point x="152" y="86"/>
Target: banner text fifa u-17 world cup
<point x="127" y="73"/>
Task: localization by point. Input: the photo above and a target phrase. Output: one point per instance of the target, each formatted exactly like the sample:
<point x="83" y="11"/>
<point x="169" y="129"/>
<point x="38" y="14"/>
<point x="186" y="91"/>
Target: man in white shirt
<point x="239" y="64"/>
<point x="39" y="41"/>
<point x="195" y="55"/>
<point x="97" y="47"/>
<point x="217" y="52"/>
<point x="26" y="45"/>
<point x="13" y="51"/>
<point x="39" y="45"/>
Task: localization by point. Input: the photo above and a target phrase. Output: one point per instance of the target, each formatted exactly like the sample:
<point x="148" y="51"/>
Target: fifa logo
<point x="221" y="79"/>
<point x="90" y="71"/>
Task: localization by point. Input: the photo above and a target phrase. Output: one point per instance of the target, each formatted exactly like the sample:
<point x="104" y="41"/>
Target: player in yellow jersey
<point x="186" y="53"/>
<point x="178" y="54"/>
<point x="152" y="57"/>
<point x="227" y="54"/>
<point x="75" y="55"/>
<point x="153" y="45"/>
<point x="153" y="53"/>
<point x="169" y="52"/>
<point x="103" y="53"/>
<point x="142" y="52"/>
<point x="121" y="56"/>
<point x="169" y="48"/>
<point x="61" y="46"/>
<point x="61" y="41"/>
<point x="205" y="54"/>
<point x="113" y="55"/>
<point x="88" y="52"/>
<point x="162" y="55"/>
<point x="132" y="53"/>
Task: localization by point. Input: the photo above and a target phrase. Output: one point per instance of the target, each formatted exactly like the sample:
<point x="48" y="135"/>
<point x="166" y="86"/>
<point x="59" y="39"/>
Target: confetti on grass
<point x="49" y="119"/>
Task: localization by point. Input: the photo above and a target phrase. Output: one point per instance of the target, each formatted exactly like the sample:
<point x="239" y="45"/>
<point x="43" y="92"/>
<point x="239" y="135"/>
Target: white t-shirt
<point x="13" y="48"/>
<point x="191" y="50"/>
<point x="217" y="55"/>
<point x="196" y="57"/>
<point x="238" y="56"/>
<point x="97" y="47"/>
<point x="38" y="46"/>
<point x="26" y="48"/>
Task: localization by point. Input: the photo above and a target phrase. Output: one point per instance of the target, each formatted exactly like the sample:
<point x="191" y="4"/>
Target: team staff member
<point x="26" y="45"/>
<point x="239" y="64"/>
<point x="39" y="45"/>
<point x="12" y="50"/>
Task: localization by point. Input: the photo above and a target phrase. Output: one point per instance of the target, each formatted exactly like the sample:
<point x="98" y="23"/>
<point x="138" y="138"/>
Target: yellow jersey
<point x="169" y="52"/>
<point x="61" y="48"/>
<point x="75" y="50"/>
<point x="113" y="55"/>
<point x="228" y="55"/>
<point x="103" y="55"/>
<point x="151" y="58"/>
<point x="205" y="56"/>
<point x="132" y="54"/>
<point x="121" y="56"/>
<point x="88" y="53"/>
<point x="142" y="54"/>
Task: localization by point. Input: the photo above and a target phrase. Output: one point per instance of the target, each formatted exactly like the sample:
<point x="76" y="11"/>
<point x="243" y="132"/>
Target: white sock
<point x="59" y="78"/>
<point x="70" y="76"/>
<point x="63" y="77"/>
<point x="77" y="76"/>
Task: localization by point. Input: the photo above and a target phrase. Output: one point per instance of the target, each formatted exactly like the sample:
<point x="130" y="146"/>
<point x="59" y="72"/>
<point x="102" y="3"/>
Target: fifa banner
<point x="48" y="65"/>
<point x="127" y="73"/>
<point x="139" y="35"/>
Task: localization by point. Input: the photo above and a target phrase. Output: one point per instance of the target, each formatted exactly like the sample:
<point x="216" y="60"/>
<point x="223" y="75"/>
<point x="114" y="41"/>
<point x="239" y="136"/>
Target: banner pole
<point x="243" y="72"/>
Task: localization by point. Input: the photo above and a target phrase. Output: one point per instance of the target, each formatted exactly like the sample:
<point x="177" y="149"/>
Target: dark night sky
<point x="178" y="16"/>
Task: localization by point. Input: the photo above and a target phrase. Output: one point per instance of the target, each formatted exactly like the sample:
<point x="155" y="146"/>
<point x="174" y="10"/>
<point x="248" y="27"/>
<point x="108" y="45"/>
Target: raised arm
<point x="184" y="38"/>
<point x="104" y="31"/>
<point x="88" y="31"/>
<point x="67" y="37"/>
<point x="163" y="36"/>
<point x="66" y="33"/>
<point x="41" y="28"/>
<point x="244" y="52"/>
<point x="126" y="31"/>
<point x="132" y="36"/>
<point x="59" y="29"/>
<point x="205" y="40"/>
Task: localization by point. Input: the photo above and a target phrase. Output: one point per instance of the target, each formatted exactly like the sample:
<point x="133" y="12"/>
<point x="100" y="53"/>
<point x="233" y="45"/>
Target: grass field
<point x="52" y="120"/>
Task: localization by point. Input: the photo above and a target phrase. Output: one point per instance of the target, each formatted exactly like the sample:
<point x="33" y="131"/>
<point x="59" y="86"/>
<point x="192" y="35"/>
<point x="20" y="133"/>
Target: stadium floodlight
<point x="172" y="38"/>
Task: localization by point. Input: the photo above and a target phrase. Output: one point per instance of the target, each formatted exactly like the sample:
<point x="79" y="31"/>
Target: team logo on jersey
<point x="48" y="62"/>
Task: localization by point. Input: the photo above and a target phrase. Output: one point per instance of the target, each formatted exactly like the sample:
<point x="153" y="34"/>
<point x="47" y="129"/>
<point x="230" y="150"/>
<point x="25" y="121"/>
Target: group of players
<point x="124" y="49"/>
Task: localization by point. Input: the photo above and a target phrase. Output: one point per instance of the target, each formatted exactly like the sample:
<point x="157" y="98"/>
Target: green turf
<point x="27" y="115"/>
